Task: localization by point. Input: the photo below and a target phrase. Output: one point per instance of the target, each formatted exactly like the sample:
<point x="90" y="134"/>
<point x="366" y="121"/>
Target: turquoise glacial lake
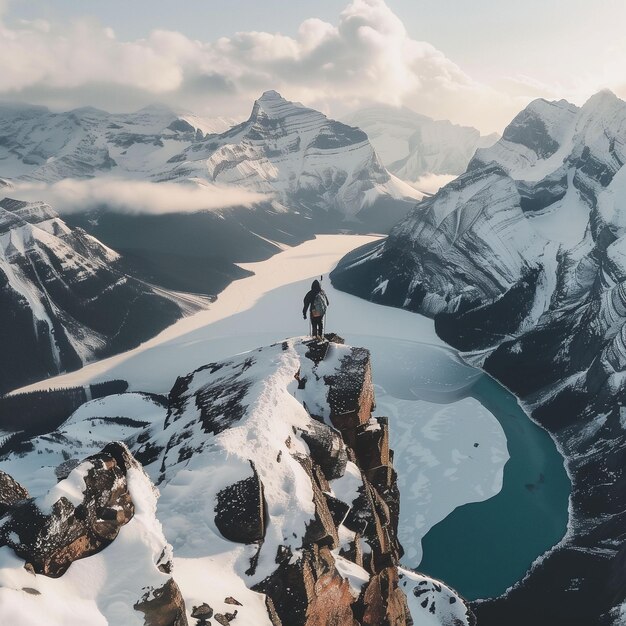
<point x="483" y="548"/>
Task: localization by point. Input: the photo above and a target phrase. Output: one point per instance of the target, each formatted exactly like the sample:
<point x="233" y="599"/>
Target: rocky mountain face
<point x="411" y="145"/>
<point x="278" y="503"/>
<point x="64" y="299"/>
<point x="521" y="262"/>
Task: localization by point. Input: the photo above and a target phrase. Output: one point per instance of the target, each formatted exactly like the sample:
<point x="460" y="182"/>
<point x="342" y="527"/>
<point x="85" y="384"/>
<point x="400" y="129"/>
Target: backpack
<point x="318" y="308"/>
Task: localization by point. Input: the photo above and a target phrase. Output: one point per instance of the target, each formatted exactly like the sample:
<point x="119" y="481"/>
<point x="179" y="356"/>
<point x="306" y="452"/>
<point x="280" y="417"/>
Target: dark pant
<point x="317" y="323"/>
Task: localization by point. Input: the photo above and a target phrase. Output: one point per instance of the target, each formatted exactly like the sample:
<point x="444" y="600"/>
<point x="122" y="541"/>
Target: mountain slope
<point x="520" y="260"/>
<point x="63" y="302"/>
<point x="411" y="145"/>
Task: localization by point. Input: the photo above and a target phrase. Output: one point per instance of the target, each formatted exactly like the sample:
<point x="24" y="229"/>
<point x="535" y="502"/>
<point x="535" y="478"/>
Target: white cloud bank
<point x="134" y="196"/>
<point x="368" y="56"/>
<point x="432" y="183"/>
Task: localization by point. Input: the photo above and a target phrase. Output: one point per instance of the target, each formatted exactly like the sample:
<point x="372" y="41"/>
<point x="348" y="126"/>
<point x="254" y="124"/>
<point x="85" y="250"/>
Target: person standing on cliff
<point x="317" y="301"/>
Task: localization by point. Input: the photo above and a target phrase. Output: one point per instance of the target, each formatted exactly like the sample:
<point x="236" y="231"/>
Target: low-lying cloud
<point x="136" y="196"/>
<point x="432" y="183"/>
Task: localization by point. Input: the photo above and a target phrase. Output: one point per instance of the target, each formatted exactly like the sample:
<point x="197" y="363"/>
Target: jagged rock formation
<point x="278" y="492"/>
<point x="521" y="262"/>
<point x="11" y="492"/>
<point x="62" y="531"/>
<point x="411" y="145"/>
<point x="64" y="300"/>
<point x="51" y="541"/>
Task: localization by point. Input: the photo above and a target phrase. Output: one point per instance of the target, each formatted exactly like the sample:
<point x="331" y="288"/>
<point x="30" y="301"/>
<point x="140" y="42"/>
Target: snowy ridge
<point x="247" y="465"/>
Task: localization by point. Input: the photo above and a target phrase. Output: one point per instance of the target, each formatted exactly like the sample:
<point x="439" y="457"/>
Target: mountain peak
<point x="271" y="94"/>
<point x="31" y="212"/>
<point x="272" y="105"/>
<point x="11" y="204"/>
<point x="604" y="99"/>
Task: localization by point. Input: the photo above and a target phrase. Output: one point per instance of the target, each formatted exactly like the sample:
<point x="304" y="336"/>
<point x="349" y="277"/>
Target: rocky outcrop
<point x="50" y="541"/>
<point x="163" y="607"/>
<point x="11" y="492"/>
<point x="240" y="513"/>
<point x="78" y="518"/>
<point x="277" y="492"/>
<point x="311" y="591"/>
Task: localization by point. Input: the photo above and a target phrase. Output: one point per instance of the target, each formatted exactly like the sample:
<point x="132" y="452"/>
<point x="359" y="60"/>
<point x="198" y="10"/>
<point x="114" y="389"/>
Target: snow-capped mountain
<point x="317" y="176"/>
<point x="64" y="300"/>
<point x="37" y="144"/>
<point x="411" y="145"/>
<point x="300" y="157"/>
<point x="297" y="156"/>
<point x="521" y="261"/>
<point x="278" y="504"/>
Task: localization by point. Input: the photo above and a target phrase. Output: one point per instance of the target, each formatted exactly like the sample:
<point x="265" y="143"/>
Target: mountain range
<point x="521" y="262"/>
<point x="40" y="145"/>
<point x="310" y="175"/>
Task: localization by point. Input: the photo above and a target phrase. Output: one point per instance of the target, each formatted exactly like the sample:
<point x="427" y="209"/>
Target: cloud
<point x="133" y="196"/>
<point x="432" y="183"/>
<point x="366" y="57"/>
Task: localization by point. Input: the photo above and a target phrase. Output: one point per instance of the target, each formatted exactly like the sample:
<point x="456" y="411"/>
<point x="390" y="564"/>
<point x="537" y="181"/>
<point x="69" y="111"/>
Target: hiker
<point x="317" y="301"/>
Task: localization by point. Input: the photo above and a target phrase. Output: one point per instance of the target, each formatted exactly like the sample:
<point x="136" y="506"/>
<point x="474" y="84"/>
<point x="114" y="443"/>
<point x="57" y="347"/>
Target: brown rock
<point x="321" y="530"/>
<point x="310" y="592"/>
<point x="225" y="618"/>
<point x="384" y="602"/>
<point x="163" y="607"/>
<point x="11" y="492"/>
<point x="204" y="611"/>
<point x="372" y="443"/>
<point x="351" y="394"/>
<point x="50" y="543"/>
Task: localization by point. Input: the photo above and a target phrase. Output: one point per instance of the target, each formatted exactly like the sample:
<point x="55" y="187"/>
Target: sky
<point x="476" y="62"/>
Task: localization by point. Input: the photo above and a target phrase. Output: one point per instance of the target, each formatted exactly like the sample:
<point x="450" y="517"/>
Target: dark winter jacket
<point x="310" y="296"/>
